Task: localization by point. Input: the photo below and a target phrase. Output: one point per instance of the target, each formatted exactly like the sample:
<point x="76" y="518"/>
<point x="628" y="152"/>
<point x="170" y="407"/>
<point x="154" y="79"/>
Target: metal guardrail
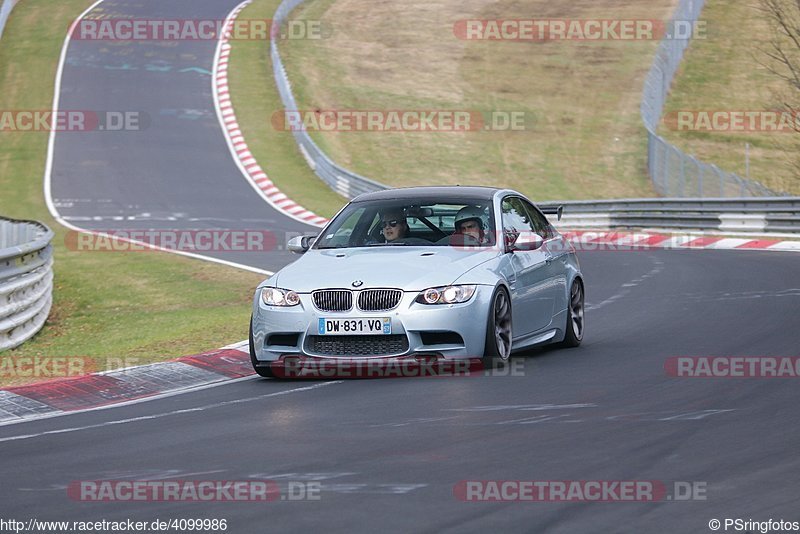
<point x="26" y="280"/>
<point x="5" y="10"/>
<point x="739" y="215"/>
<point x="673" y="172"/>
<point x="345" y="182"/>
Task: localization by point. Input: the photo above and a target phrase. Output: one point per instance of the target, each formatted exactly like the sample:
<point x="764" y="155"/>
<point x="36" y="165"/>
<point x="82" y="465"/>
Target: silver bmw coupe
<point x="443" y="273"/>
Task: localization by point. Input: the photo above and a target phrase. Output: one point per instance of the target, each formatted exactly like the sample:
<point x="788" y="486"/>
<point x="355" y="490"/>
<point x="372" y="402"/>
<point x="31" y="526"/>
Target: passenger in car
<point x="394" y="225"/>
<point x="469" y="228"/>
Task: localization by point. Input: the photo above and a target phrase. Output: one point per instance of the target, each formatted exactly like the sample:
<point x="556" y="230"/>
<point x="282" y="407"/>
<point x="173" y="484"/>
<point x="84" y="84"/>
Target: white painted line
<point x="239" y="345"/>
<point x="728" y="242"/>
<point x="222" y="381"/>
<point x="48" y="196"/>
<point x="159" y="415"/>
<point x="56" y="98"/>
<point x="228" y="122"/>
<point x="676" y="241"/>
<point x="785" y="245"/>
<point x="635" y="238"/>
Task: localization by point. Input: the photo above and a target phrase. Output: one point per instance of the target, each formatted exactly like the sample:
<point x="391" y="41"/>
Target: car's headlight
<point x="446" y="294"/>
<point x="274" y="296"/>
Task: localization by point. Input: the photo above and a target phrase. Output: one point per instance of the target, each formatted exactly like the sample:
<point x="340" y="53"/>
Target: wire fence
<point x="673" y="172"/>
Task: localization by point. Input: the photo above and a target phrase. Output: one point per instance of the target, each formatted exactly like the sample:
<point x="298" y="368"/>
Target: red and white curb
<point x="610" y="240"/>
<point x="236" y="142"/>
<point x="98" y="390"/>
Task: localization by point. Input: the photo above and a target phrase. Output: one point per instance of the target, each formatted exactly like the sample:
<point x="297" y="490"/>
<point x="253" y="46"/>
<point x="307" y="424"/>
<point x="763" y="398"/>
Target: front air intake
<point x="379" y="299"/>
<point x="331" y="300"/>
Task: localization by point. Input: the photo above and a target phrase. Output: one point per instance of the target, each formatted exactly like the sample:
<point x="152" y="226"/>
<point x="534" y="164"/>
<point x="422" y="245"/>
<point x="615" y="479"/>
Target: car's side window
<point x="515" y="215"/>
<point x="515" y="219"/>
<point x="540" y="224"/>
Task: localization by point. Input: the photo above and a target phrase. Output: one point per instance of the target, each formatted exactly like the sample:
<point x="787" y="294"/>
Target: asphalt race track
<point x="389" y="454"/>
<point x="175" y="171"/>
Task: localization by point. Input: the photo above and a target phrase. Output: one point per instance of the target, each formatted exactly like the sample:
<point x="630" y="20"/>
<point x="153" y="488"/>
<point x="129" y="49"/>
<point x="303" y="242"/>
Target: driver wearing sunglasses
<point x="394" y="225"/>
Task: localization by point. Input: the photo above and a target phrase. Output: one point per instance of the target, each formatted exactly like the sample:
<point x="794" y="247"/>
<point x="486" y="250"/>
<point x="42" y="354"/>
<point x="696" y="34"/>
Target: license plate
<point x="356" y="326"/>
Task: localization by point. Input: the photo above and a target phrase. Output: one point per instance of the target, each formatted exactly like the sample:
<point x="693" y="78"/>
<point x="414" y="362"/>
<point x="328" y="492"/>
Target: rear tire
<point x="261" y="368"/>
<point x="573" y="331"/>
<point x="498" y="331"/>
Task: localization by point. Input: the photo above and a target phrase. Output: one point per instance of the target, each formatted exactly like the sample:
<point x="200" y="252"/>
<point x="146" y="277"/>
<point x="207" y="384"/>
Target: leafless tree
<point x="782" y="57"/>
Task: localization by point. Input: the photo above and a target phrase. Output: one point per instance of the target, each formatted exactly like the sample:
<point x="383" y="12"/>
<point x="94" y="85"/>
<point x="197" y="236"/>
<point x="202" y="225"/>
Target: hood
<point x="410" y="269"/>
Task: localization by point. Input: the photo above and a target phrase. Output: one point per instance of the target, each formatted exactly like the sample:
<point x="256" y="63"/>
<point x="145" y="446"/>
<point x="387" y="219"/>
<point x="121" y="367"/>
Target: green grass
<point x="725" y="72"/>
<point x="583" y="139"/>
<point x="256" y="99"/>
<point x="137" y="306"/>
<point x="583" y="136"/>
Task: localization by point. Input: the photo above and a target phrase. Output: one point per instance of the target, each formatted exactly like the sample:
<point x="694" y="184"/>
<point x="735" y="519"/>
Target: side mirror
<point x="526" y="241"/>
<point x="300" y="244"/>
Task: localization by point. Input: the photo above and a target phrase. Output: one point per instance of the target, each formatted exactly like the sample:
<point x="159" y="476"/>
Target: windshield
<point x="418" y="222"/>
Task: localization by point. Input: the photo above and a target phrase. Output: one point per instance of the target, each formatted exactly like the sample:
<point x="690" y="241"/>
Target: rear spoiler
<point x="553" y="210"/>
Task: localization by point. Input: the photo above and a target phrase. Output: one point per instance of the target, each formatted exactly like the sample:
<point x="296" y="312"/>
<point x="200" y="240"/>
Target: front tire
<point x="575" y="316"/>
<point x="261" y="368"/>
<point x="498" y="331"/>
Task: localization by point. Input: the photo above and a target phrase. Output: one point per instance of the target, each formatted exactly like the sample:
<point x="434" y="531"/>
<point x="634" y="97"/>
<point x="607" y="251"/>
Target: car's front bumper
<point x="409" y="366"/>
<point x="450" y="331"/>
